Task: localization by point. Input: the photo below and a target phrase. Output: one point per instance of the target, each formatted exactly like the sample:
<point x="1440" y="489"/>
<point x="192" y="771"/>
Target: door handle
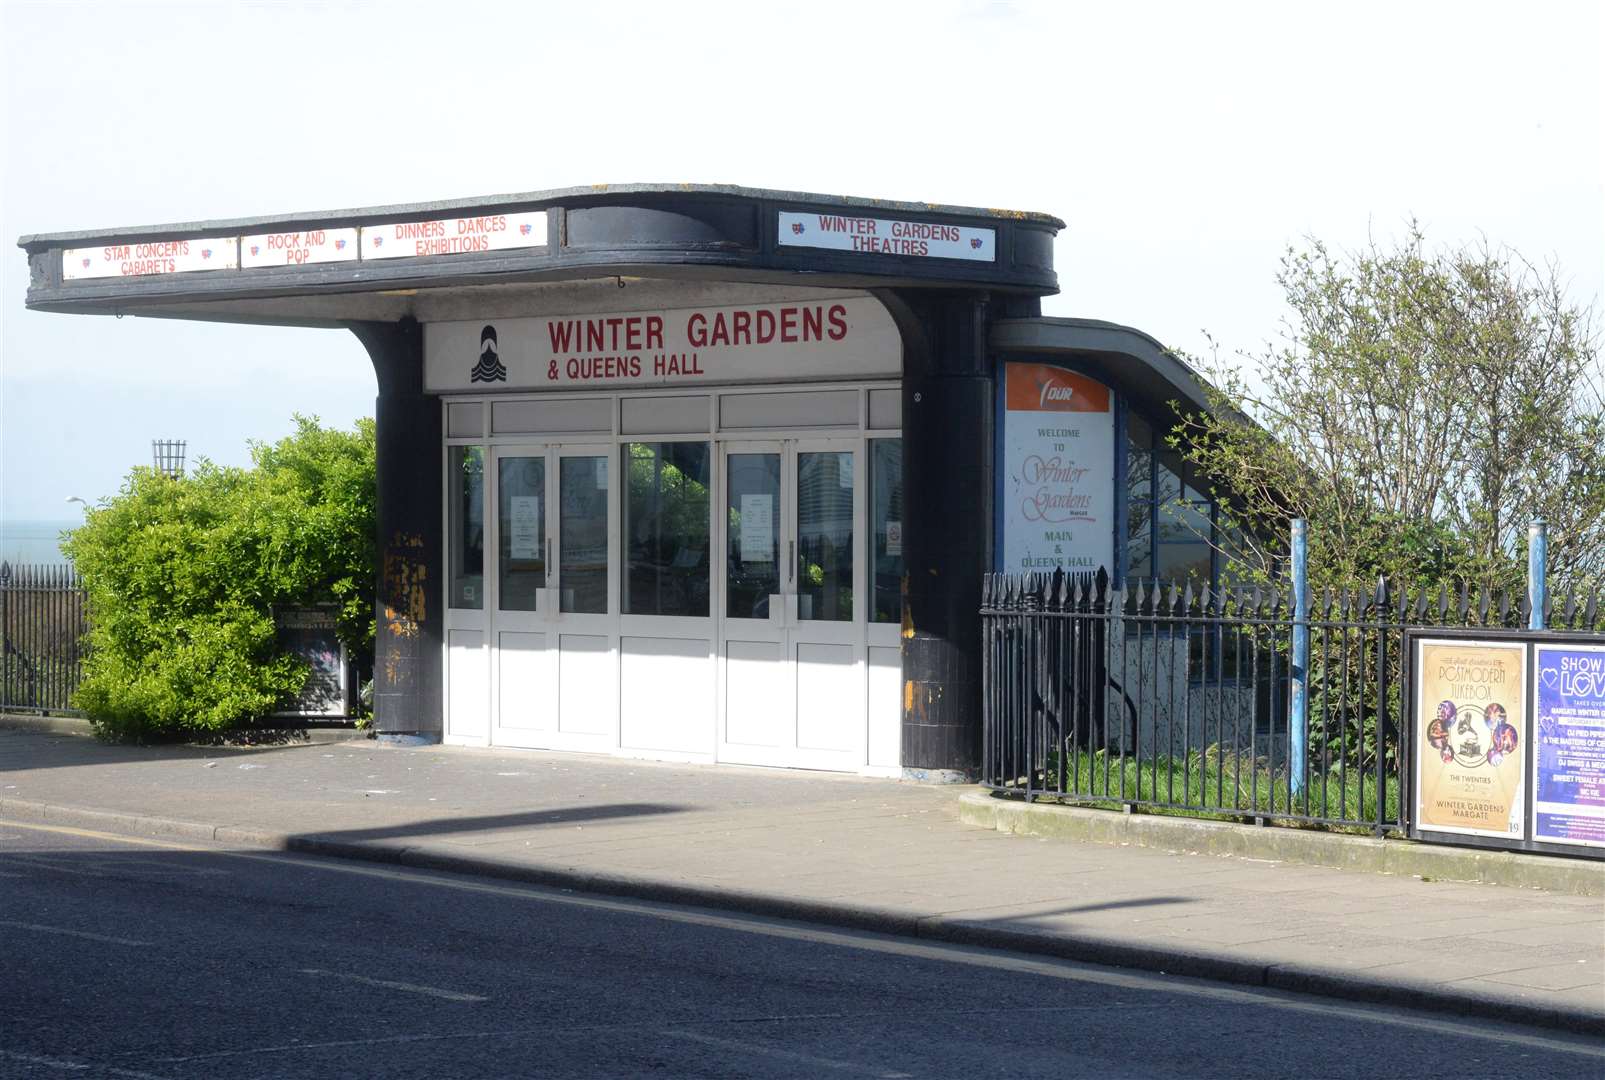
<point x="791" y="561"/>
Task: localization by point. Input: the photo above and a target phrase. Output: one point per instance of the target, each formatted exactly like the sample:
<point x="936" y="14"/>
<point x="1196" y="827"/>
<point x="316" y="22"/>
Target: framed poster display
<point x="1469" y="714"/>
<point x="1568" y="756"/>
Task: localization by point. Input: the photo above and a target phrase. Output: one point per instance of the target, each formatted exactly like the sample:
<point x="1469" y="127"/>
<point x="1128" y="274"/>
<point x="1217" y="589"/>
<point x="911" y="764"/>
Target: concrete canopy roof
<point x="700" y="232"/>
<point x="1137" y="365"/>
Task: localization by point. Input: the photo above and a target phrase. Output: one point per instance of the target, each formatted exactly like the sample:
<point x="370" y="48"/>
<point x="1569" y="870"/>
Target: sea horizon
<point x="34" y="541"/>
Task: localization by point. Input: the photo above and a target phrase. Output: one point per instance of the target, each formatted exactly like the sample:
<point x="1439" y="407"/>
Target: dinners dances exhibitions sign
<point x="1059" y="469"/>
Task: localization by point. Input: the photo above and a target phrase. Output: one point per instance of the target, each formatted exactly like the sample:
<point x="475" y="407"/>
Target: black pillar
<point x="948" y="400"/>
<point x="408" y="617"/>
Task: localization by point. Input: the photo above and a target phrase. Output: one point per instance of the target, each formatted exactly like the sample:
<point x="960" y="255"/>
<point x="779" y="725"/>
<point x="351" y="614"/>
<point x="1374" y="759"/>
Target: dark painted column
<point x="947" y="536"/>
<point x="408" y="617"/>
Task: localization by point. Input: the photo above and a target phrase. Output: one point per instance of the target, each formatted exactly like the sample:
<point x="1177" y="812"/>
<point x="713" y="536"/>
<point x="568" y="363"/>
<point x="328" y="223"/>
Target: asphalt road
<point x="142" y="959"/>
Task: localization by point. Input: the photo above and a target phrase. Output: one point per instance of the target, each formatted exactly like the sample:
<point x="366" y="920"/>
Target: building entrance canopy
<point x="433" y="261"/>
<point x="691" y="471"/>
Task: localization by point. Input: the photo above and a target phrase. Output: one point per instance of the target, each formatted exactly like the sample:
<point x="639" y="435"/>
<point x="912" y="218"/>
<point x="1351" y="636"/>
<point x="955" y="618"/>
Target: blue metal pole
<point x="1537" y="558"/>
<point x="1298" y="720"/>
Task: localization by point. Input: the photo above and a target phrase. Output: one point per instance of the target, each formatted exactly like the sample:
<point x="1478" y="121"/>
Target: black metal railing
<point x="1175" y="698"/>
<point x="42" y="626"/>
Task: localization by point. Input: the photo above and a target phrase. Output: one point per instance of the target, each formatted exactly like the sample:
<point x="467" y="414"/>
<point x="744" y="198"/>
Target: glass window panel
<point x="825" y="536"/>
<point x="886" y="509"/>
<point x="1169" y="475"/>
<point x="1184" y="522"/>
<point x="1139" y="474"/>
<point x="1139" y="540"/>
<point x="466" y="539"/>
<point x="752" y="516"/>
<point x="521" y="522"/>
<point x="666" y="529"/>
<point x="1139" y="433"/>
<point x="1179" y="562"/>
<point x="582" y="534"/>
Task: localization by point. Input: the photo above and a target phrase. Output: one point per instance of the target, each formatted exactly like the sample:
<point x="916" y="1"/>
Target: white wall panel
<point x="468" y="710"/>
<point x="528" y="696"/>
<point x="666" y="695"/>
<point x="756" y="712"/>
<point x="830" y="698"/>
<point x="586" y="680"/>
<point x="885" y="706"/>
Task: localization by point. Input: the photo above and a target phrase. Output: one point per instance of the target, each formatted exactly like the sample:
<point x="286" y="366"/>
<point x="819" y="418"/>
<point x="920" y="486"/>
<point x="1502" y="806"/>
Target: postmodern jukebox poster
<point x="1059" y="462"/>
<point x="1471" y="737"/>
<point x="1569" y="745"/>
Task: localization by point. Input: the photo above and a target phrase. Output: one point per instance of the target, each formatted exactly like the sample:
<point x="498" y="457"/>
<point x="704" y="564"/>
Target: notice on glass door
<point x="524" y="527"/>
<point x="758" y="528"/>
<point x="1569" y="745"/>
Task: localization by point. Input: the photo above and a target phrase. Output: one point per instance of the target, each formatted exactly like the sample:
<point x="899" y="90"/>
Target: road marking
<point x="1067" y="970"/>
<point x="74" y="1066"/>
<point x="411" y="988"/>
<point x="785" y="1055"/>
<point x="51" y="864"/>
<point x="40" y="928"/>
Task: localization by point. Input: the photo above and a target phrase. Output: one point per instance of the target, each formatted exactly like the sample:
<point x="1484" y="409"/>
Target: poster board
<point x="1568" y="757"/>
<point x="308" y="634"/>
<point x="1470" y="737"/>
<point x="1058" y="498"/>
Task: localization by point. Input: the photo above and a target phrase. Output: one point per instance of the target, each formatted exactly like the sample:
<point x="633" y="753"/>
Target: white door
<point x="552" y="596"/>
<point x="792" y="628"/>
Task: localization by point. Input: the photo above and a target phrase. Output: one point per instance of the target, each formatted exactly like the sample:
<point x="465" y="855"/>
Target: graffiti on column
<point x="403" y="609"/>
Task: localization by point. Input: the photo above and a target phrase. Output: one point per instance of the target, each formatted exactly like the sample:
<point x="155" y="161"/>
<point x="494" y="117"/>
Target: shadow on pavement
<point x="22" y="750"/>
<point x="1110" y="905"/>
<point x="492" y="822"/>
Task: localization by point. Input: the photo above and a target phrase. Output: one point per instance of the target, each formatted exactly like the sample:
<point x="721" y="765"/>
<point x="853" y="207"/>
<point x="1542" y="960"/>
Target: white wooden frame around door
<point x="529" y="700"/>
<point x="787" y="689"/>
<point x="471" y="651"/>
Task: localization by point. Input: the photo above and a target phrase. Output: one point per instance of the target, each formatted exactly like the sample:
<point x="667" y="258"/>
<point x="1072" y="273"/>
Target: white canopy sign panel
<point x="150" y="257"/>
<point x="852" y="337"/>
<point x="298" y="248"/>
<point x="887" y="236"/>
<point x="1059" y="472"/>
<point x="454" y="236"/>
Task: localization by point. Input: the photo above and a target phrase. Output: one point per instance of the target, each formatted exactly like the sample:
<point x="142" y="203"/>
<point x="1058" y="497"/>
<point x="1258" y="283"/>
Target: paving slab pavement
<point x="869" y="853"/>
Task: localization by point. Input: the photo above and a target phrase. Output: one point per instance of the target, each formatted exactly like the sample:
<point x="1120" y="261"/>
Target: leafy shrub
<point x="182" y="575"/>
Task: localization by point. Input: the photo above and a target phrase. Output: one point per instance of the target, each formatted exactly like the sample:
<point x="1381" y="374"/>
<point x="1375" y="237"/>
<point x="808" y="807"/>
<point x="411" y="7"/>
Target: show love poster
<point x="1569" y="746"/>
<point x="1471" y="731"/>
<point x="1059" y="457"/>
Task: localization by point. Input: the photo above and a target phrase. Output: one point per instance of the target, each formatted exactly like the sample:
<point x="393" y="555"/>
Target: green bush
<point x="182" y="575"/>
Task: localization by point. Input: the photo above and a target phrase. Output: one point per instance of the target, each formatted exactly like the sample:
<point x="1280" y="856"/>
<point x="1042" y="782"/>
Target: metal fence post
<point x="1537" y="587"/>
<point x="5" y="632"/>
<point x="1298" y="720"/>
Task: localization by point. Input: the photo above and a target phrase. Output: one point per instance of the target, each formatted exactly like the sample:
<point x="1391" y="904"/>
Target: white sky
<point x="1185" y="144"/>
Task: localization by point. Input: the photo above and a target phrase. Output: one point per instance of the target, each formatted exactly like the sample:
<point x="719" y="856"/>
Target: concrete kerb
<point x="1083" y="948"/>
<point x="1577" y="877"/>
<point x="248" y="739"/>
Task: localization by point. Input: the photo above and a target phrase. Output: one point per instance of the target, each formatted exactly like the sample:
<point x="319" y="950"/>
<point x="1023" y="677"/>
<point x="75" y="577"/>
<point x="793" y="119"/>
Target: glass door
<point x="759" y="564"/>
<point x="792" y="625"/>
<point x="551" y="596"/>
<point x="826" y="629"/>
